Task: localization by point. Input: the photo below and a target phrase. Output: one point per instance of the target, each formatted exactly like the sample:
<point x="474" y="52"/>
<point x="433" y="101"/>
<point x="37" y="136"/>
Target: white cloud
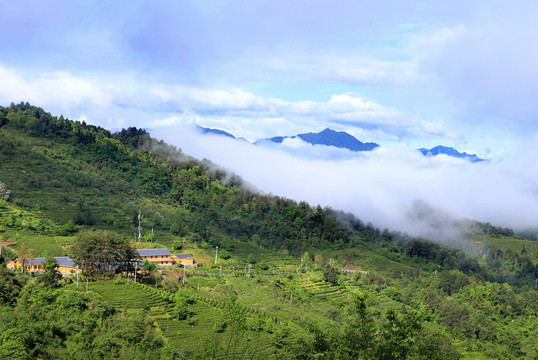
<point x="354" y="101"/>
<point x="176" y="120"/>
<point x="110" y="103"/>
<point x="57" y="89"/>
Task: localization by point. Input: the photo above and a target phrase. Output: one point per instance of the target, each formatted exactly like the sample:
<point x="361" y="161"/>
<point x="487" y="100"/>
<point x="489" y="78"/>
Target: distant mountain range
<point x="204" y="130"/>
<point x="343" y="140"/>
<point x="445" y="150"/>
<point x="327" y="137"/>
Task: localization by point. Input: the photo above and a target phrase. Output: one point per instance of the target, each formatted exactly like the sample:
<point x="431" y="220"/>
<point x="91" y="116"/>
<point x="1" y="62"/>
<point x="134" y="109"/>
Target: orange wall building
<point x="161" y="257"/>
<point x="184" y="259"/>
<point x="66" y="266"/>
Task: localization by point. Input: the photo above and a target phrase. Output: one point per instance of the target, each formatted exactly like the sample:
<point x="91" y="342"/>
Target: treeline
<point x="212" y="204"/>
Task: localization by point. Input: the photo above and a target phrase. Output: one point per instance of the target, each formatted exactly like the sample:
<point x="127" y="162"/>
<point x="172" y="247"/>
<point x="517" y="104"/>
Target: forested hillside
<point x="415" y="299"/>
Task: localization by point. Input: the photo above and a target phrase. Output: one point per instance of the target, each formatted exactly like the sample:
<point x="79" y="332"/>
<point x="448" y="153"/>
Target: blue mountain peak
<point x="328" y="137"/>
<point x="450" y="152"/>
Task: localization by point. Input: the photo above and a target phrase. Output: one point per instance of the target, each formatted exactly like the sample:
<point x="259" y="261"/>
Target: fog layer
<point x="397" y="187"/>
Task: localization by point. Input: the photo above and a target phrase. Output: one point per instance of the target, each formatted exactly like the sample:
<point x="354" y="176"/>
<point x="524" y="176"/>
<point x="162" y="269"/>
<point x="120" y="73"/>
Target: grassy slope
<point x="48" y="181"/>
<point x="516" y="245"/>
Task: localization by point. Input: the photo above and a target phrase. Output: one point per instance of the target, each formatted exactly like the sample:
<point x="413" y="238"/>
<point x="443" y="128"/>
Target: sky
<point x="403" y="74"/>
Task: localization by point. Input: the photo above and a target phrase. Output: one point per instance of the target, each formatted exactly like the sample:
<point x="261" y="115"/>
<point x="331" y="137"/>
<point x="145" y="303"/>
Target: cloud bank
<point x="120" y="102"/>
<point x="395" y="188"/>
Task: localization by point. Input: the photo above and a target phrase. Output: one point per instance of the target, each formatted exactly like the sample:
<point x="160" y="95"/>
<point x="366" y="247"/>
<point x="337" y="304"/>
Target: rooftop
<point x="65" y="261"/>
<point x="61" y="260"/>
<point x="153" y="252"/>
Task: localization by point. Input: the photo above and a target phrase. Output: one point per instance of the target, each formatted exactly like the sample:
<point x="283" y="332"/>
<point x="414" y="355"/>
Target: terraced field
<point x="192" y="333"/>
<point x="323" y="290"/>
<point x="131" y="296"/>
<point x="280" y="260"/>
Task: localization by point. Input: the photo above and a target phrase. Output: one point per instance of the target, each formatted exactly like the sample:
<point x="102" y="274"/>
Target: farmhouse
<point x="66" y="266"/>
<point x="30" y="264"/>
<point x="161" y="257"/>
<point x="184" y="259"/>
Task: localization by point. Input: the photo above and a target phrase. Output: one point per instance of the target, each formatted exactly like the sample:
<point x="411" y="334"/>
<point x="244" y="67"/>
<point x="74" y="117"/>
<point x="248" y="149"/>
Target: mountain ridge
<point x="327" y="137"/>
<point x="450" y="151"/>
<point x="205" y="131"/>
<point x="343" y="140"/>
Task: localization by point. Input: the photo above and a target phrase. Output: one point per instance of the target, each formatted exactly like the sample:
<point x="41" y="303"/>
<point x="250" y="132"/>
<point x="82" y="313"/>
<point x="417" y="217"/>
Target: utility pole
<point x="140" y="216"/>
<point x="136" y="269"/>
<point x="302" y="262"/>
<point x="216" y="254"/>
<point x="77" y="276"/>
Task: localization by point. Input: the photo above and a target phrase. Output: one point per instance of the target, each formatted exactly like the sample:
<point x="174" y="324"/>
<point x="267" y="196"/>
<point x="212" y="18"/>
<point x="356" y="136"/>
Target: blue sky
<point x="404" y="74"/>
<point x="461" y="74"/>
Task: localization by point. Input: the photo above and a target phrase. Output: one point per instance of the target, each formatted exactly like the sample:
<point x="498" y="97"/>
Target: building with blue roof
<point x="184" y="259"/>
<point x="162" y="257"/>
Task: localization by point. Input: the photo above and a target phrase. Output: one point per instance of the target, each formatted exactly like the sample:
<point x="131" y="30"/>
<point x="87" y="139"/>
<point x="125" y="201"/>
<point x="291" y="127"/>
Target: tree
<point x="358" y="337"/>
<point x="452" y="281"/>
<point x="255" y="239"/>
<point x="306" y="258"/>
<point x="102" y="253"/>
<point x="399" y="335"/>
<point x="149" y="237"/>
<point x="183" y="299"/>
<point x="331" y="275"/>
<point x="24" y="255"/>
<point x="251" y="259"/>
<point x="10" y="286"/>
<point x="83" y="215"/>
<point x="68" y="228"/>
<point x="178" y="245"/>
<point x="149" y="266"/>
<point x="12" y="345"/>
<point x="51" y="276"/>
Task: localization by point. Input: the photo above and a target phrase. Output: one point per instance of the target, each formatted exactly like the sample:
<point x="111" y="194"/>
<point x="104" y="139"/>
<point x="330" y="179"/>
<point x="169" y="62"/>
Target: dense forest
<point x="61" y="179"/>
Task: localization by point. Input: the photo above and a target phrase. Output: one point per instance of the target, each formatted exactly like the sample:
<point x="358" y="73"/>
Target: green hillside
<point x="307" y="297"/>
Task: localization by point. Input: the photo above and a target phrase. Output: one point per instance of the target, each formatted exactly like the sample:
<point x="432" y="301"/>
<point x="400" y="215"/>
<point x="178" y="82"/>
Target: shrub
<point x="330" y="274"/>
